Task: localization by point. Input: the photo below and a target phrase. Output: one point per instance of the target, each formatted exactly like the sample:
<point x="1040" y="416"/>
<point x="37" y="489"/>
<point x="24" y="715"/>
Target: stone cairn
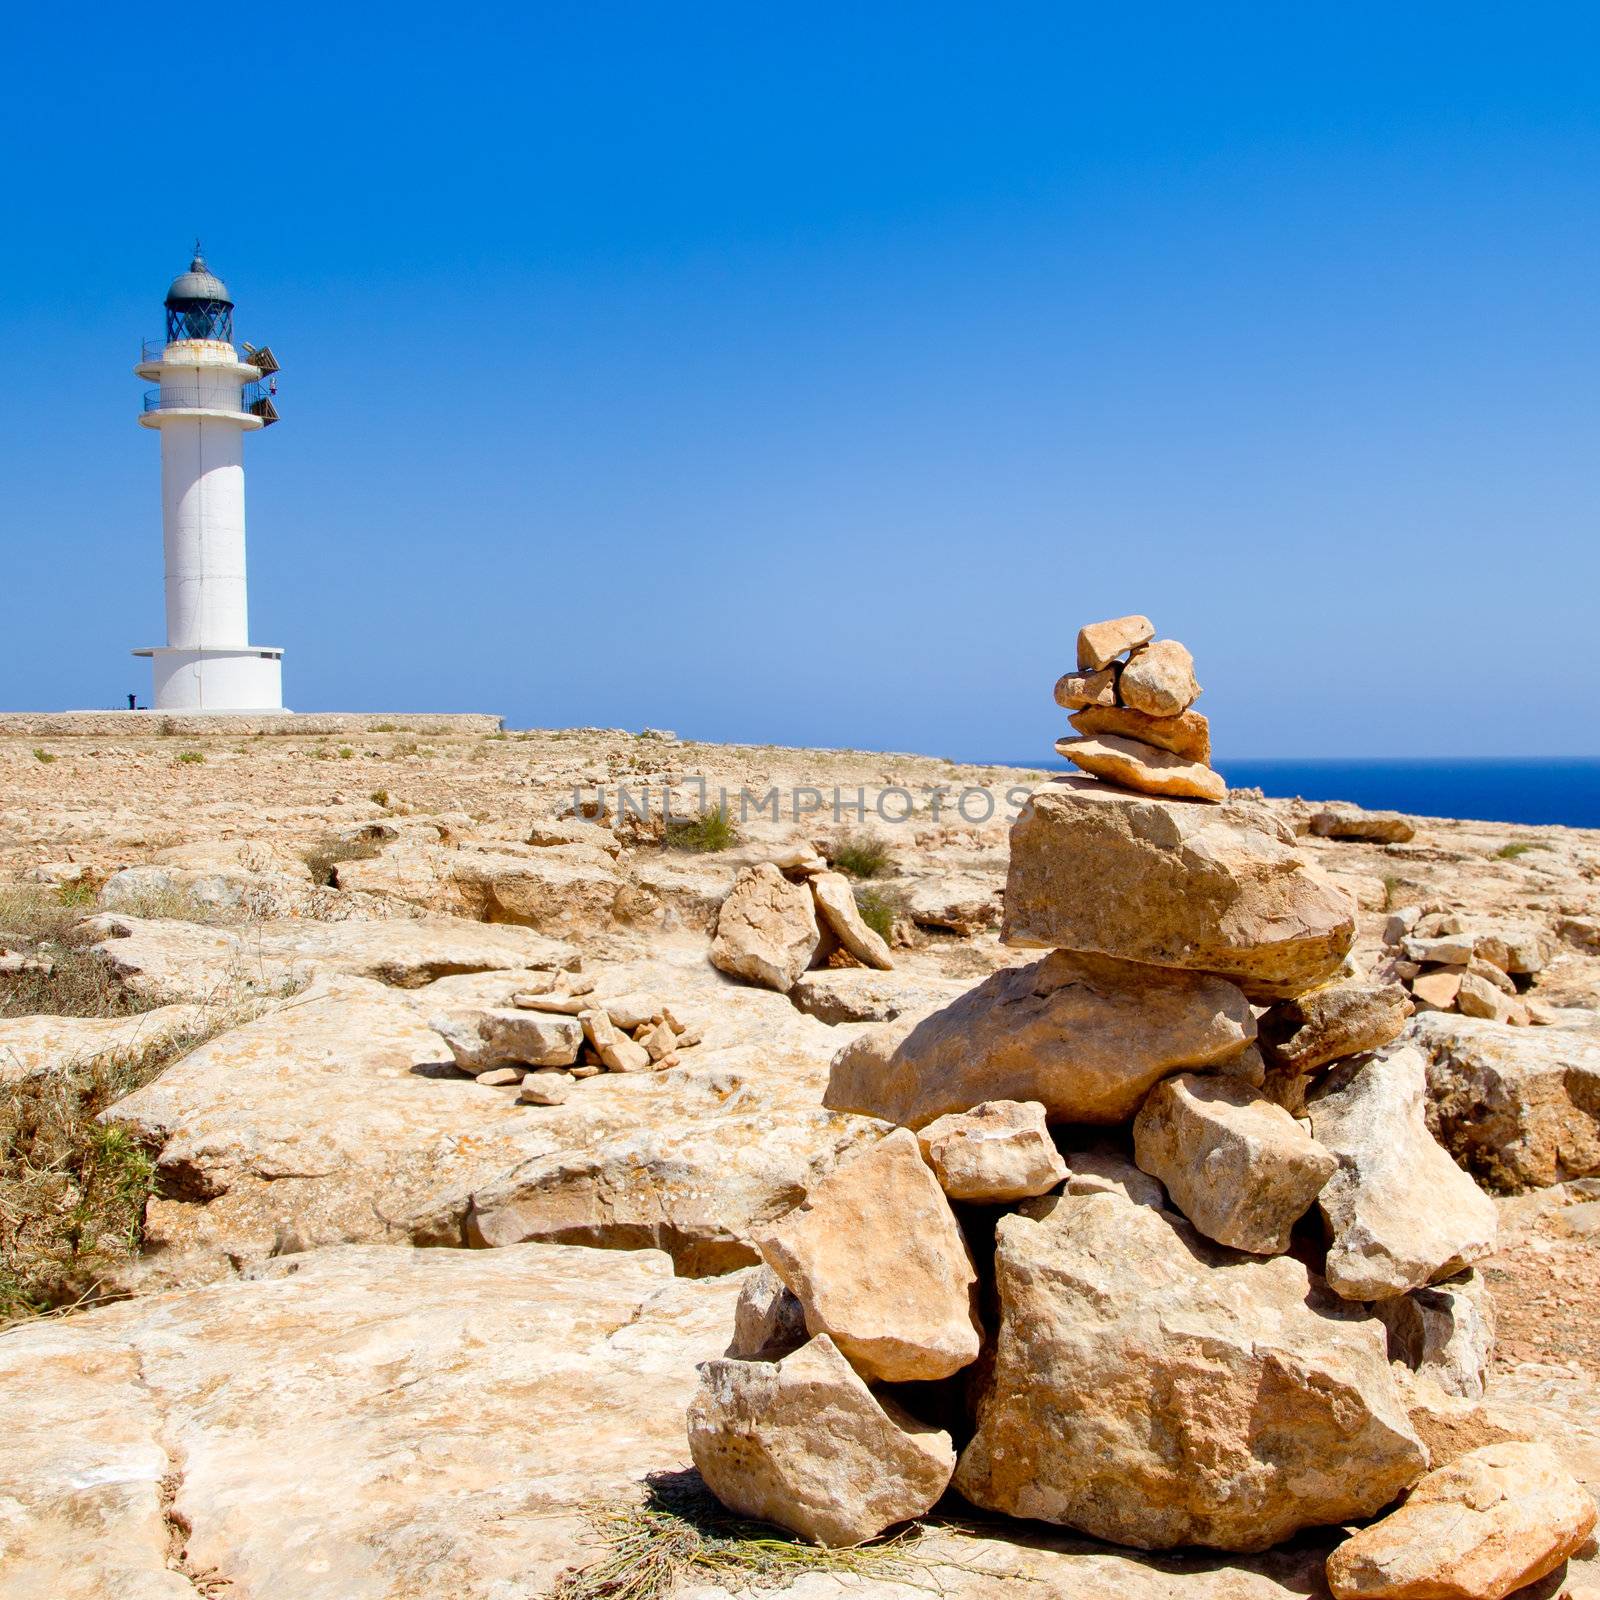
<point x="1159" y="1247"/>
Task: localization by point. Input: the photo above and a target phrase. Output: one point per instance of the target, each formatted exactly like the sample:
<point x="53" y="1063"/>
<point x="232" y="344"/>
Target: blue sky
<point x="808" y="376"/>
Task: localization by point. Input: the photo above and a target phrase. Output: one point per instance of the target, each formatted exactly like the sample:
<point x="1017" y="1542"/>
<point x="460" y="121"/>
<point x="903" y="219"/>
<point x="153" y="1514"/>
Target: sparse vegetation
<point x="383" y="727"/>
<point x="43" y="755"/>
<point x="190" y="757"/>
<point x="345" y="752"/>
<point x="709" y="832"/>
<point x="324" y="856"/>
<point x="65" y="978"/>
<point x="682" y="1535"/>
<point x="1393" y="890"/>
<point x="880" y="911"/>
<point x="1510" y="852"/>
<point x="379" y="797"/>
<point x="73" y="1190"/>
<point x="862" y="855"/>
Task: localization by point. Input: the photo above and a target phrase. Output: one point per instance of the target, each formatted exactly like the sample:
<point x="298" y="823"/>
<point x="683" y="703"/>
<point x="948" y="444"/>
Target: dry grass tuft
<point x="72" y="1189"/>
<point x="709" y="832"/>
<point x="69" y="979"/>
<point x="862" y="855"/>
<point x="880" y="910"/>
<point x="682" y="1534"/>
<point x="326" y="854"/>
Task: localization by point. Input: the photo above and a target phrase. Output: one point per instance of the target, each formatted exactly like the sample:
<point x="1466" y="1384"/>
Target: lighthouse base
<point x="249" y="678"/>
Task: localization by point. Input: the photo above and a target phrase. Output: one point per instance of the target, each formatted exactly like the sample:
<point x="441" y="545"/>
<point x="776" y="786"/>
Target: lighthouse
<point x="206" y="399"/>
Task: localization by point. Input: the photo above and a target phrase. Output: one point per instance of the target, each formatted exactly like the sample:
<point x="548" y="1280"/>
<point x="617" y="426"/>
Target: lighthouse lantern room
<point x="206" y="399"/>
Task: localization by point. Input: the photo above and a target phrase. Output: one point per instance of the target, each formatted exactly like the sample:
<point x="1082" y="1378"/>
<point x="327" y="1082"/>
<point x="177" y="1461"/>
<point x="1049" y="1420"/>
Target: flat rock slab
<point x="1173" y="883"/>
<point x="340" y="1117"/>
<point x="857" y="994"/>
<point x="188" y="961"/>
<point x="1519" y="1107"/>
<point x="30" y="1046"/>
<point x="357" y="1422"/>
<point x="1084" y="1036"/>
<point x="1144" y="767"/>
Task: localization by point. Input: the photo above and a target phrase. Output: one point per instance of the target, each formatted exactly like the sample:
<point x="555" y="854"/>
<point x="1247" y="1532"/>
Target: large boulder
<point x="1085" y="1036"/>
<point x="1150" y="1388"/>
<point x="1240" y="1168"/>
<point x="1519" y="1107"/>
<point x="1369" y="827"/>
<point x="1399" y="1212"/>
<point x="1216" y="889"/>
<point x="876" y="1258"/>
<point x="804" y="1443"/>
<point x="767" y="929"/>
<point x="1492" y="1521"/>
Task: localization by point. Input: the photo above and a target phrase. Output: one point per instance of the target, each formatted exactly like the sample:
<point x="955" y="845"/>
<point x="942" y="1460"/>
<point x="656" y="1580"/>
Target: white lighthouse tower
<point x="206" y="401"/>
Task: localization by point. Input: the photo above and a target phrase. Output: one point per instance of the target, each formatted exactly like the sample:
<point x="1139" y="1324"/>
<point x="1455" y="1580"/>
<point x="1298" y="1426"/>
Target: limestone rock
<point x="360" y="1421"/>
<point x="1101" y="643"/>
<point x="546" y="1087"/>
<point x="1436" y="991"/>
<point x="1518" y="1107"/>
<point x="30" y="1046"/>
<point x="767" y="929"/>
<point x="837" y="902"/>
<point x="616" y="1050"/>
<point x="1514" y="948"/>
<point x="1143" y="767"/>
<point x="804" y="1443"/>
<point x="1336" y="1020"/>
<point x="1241" y="1169"/>
<point x="877" y="1260"/>
<point x="857" y="994"/>
<point x="1085" y="1036"/>
<point x="340" y="1114"/>
<point x="1087" y="688"/>
<point x="1209" y="889"/>
<point x="1492" y="1521"/>
<point x="1150" y="1388"/>
<point x="1477" y="997"/>
<point x="1105" y="1172"/>
<point x="1445" y="1331"/>
<point x="999" y="1150"/>
<point x="1159" y="680"/>
<point x="1373" y="827"/>
<point x="1187" y="735"/>
<point x="483" y="1039"/>
<point x="960" y="903"/>
<point x="1399" y="1212"/>
<point x="768" y="1321"/>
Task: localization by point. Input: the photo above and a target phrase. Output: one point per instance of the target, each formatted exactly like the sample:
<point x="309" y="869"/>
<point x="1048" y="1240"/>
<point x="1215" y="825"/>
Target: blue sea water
<point x="1487" y="790"/>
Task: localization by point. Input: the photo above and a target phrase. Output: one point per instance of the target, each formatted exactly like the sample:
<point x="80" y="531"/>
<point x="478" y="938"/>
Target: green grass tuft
<point x="879" y="911"/>
<point x="190" y="757"/>
<point x="709" y="832"/>
<point x="43" y="755"/>
<point x="862" y="855"/>
<point x="379" y="797"/>
<point x="1510" y="852"/>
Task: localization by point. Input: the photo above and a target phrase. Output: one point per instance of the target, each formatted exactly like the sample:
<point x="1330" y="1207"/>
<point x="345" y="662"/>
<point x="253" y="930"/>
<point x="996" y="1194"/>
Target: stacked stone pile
<point x="1130" y="699"/>
<point x="1157" y="1241"/>
<point x="554" y="1032"/>
<point x="1480" y="969"/>
<point x="788" y="915"/>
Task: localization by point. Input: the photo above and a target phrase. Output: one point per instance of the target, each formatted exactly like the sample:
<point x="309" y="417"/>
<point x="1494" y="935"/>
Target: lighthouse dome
<point x="198" y="283"/>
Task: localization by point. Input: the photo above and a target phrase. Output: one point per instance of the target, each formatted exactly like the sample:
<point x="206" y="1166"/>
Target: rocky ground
<point x="289" y="1399"/>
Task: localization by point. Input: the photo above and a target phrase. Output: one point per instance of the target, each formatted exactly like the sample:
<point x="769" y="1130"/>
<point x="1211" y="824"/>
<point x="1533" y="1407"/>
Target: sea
<point x="1486" y="789"/>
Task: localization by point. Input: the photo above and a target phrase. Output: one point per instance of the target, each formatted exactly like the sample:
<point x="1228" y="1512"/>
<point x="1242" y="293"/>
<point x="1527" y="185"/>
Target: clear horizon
<point x="811" y="380"/>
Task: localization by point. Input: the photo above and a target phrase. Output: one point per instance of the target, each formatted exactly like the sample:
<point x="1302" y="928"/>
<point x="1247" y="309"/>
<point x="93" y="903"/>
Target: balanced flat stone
<point x="1087" y="688"/>
<point x="1101" y="643"/>
<point x="1144" y="767"/>
<point x="1187" y="734"/>
<point x="1216" y="889"/>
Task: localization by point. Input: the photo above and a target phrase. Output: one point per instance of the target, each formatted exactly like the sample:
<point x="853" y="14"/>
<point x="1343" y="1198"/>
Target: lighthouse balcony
<point x="252" y="406"/>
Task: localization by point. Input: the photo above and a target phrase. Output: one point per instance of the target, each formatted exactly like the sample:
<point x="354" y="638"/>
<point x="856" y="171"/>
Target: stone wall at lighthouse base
<point x="197" y="724"/>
